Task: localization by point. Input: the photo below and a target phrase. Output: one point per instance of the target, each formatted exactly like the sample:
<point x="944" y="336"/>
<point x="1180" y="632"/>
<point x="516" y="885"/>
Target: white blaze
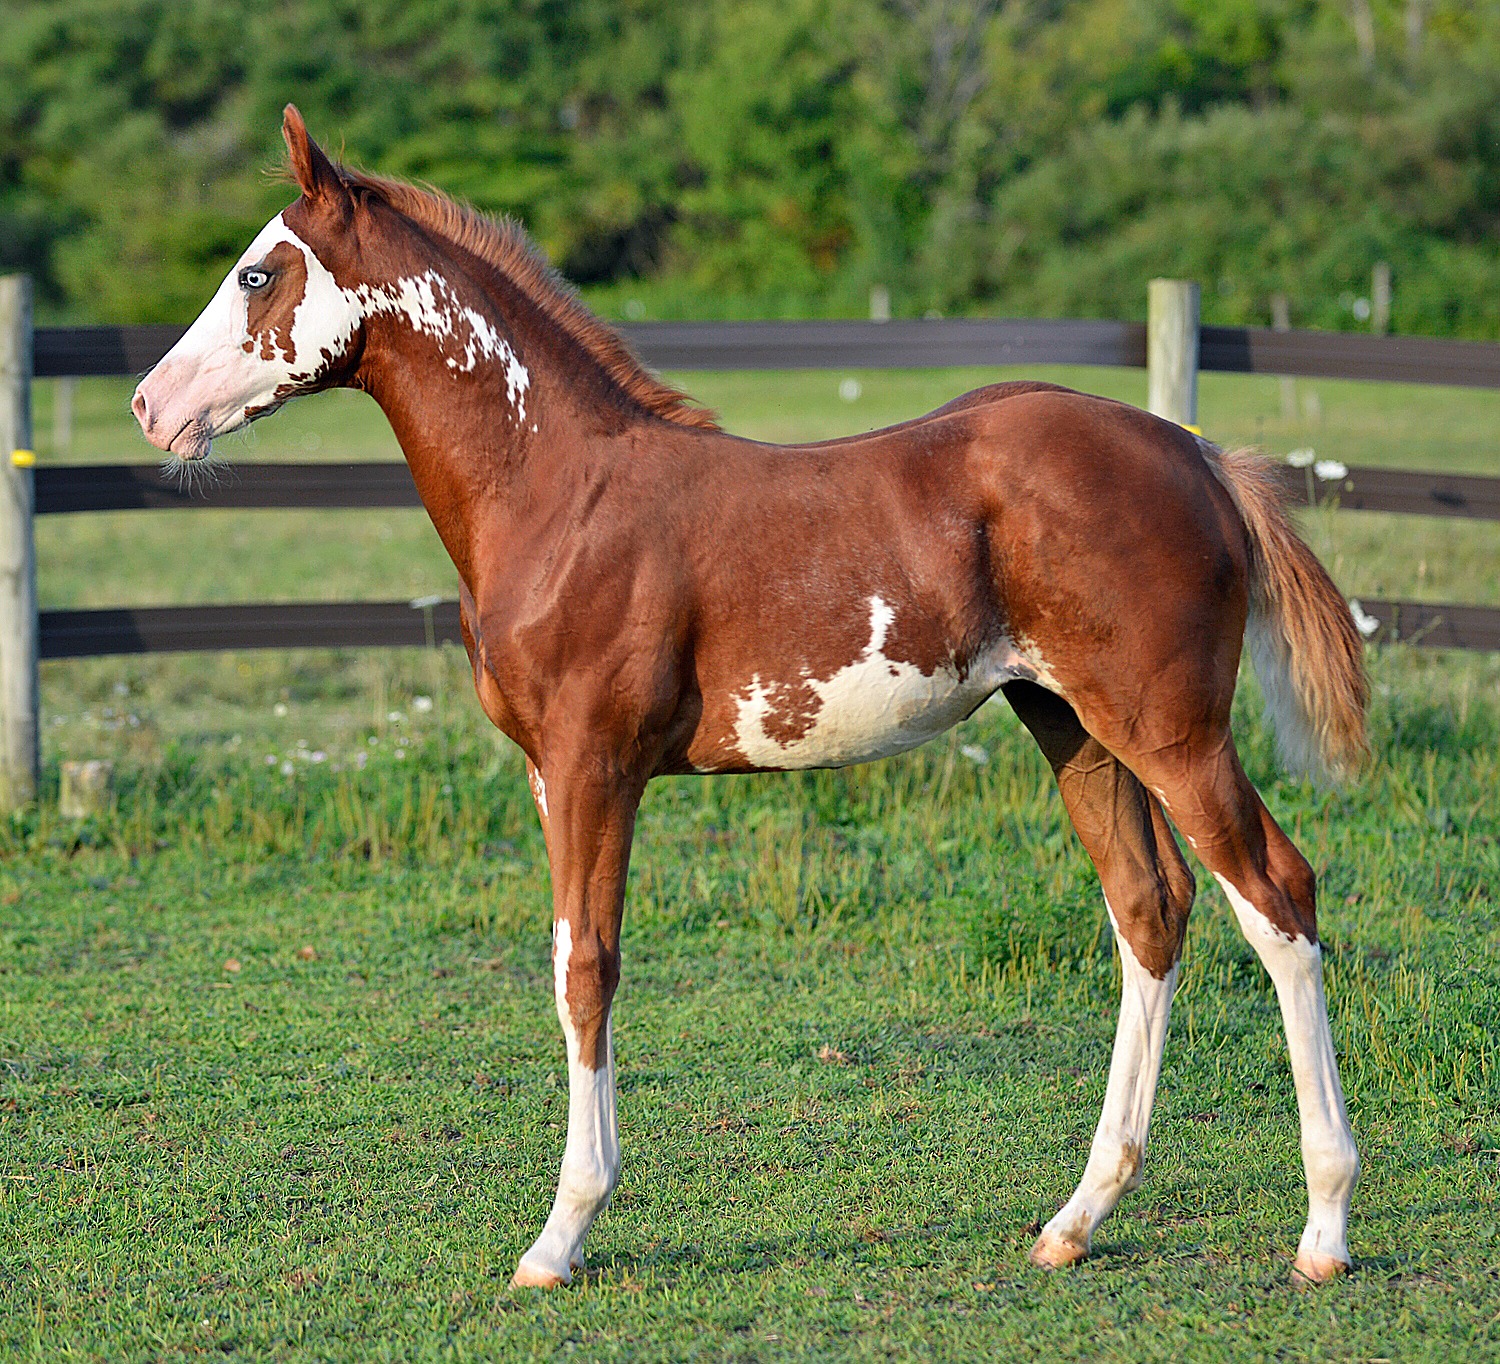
<point x="211" y="380"/>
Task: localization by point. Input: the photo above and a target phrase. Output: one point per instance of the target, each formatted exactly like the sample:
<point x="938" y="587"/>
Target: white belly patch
<point x="870" y="708"/>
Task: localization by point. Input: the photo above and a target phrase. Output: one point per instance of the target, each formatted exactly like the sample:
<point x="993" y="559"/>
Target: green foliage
<point x="781" y="156"/>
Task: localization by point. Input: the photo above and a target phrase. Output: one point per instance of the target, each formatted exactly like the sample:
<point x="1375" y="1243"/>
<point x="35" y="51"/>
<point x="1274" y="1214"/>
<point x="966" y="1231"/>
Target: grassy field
<point x="280" y="1075"/>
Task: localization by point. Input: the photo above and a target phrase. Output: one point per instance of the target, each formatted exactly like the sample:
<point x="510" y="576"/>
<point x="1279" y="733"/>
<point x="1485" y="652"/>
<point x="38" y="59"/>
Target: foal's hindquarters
<point x="1146" y="738"/>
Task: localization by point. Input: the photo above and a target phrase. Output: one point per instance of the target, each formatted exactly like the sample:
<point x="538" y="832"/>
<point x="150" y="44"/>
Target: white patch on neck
<point x="430" y="305"/>
<point x="872" y="707"/>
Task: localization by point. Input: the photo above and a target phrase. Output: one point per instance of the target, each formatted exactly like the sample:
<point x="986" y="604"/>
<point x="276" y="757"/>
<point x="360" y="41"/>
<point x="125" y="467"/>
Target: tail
<point x="1307" y="652"/>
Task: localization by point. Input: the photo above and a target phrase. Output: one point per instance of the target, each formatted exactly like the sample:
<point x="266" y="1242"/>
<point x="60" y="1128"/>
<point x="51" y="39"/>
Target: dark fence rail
<point x="1405" y="491"/>
<point x="396" y="624"/>
<point x="96" y="351"/>
<point x="287" y="625"/>
<point x="1347" y="355"/>
<point x="243" y="487"/>
<point x="239" y="487"/>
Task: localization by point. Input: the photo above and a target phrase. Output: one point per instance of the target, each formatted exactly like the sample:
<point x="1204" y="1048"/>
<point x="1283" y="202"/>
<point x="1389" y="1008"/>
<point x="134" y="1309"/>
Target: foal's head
<point x="281" y="324"/>
<point x="295" y="314"/>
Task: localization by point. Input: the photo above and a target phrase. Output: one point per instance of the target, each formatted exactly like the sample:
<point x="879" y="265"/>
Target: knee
<point x="593" y="973"/>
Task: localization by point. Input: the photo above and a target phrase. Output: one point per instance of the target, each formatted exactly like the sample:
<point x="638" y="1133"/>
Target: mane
<point x="504" y="245"/>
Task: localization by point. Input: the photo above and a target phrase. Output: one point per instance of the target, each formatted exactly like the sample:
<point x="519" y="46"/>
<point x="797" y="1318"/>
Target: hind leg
<point x="1148" y="892"/>
<point x="1273" y="892"/>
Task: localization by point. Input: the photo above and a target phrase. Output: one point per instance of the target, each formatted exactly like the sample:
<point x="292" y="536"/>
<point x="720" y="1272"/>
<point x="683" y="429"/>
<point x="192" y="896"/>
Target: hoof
<point x="1053" y="1252"/>
<point x="1310" y="1268"/>
<point x="531" y="1276"/>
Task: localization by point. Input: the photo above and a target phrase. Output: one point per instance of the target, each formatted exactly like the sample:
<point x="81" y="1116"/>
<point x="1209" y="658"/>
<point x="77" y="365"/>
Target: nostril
<point x="138" y="406"/>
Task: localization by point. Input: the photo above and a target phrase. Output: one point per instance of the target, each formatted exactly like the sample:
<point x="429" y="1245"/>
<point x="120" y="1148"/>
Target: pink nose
<point x="142" y="411"/>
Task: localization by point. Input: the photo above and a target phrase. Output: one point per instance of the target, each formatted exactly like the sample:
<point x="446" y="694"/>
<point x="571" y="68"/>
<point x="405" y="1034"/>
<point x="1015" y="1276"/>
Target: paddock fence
<point x="1171" y="346"/>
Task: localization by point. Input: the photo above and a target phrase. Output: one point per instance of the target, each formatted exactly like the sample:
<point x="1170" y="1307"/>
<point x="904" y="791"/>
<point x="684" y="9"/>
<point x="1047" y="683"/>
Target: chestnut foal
<point x="644" y="594"/>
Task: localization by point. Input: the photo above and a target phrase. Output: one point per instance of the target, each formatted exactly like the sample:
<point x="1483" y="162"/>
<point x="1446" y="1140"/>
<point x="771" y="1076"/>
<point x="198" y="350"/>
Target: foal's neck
<point x="468" y="375"/>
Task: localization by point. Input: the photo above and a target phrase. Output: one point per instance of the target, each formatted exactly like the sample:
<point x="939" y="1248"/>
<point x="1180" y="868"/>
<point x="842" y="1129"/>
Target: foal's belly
<point x="872" y="707"/>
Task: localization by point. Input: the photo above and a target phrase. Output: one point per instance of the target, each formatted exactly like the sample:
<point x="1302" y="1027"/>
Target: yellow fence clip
<point x="23" y="459"/>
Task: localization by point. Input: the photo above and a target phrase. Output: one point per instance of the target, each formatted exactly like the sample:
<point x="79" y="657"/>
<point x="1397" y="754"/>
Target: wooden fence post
<point x="1380" y="298"/>
<point x="1172" y="350"/>
<point x="19" y="753"/>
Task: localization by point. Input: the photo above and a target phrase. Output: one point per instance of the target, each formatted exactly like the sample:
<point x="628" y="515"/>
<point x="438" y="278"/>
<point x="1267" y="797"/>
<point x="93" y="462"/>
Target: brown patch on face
<point x="270" y="311"/>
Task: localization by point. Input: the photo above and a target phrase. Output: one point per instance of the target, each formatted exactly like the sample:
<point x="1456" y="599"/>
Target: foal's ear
<point x="314" y="171"/>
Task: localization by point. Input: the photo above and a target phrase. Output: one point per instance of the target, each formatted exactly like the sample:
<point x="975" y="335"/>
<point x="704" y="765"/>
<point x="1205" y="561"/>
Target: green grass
<point x="340" y="1154"/>
<point x="341" y="1157"/>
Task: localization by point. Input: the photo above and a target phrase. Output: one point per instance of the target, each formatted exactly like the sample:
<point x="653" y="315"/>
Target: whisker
<point x="194" y="476"/>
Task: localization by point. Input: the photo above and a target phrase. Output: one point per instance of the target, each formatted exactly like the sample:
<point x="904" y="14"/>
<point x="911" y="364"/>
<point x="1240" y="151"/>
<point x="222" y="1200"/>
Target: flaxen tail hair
<point x="1304" y="645"/>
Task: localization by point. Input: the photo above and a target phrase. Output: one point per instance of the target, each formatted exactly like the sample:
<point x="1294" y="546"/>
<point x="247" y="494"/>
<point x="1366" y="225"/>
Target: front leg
<point x="588" y="824"/>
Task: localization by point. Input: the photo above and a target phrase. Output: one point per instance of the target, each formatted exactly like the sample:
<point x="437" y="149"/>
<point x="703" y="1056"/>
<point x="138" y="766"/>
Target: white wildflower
<point x="1365" y="623"/>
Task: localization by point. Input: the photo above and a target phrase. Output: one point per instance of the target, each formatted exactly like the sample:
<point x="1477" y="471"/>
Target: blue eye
<point x="253" y="278"/>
